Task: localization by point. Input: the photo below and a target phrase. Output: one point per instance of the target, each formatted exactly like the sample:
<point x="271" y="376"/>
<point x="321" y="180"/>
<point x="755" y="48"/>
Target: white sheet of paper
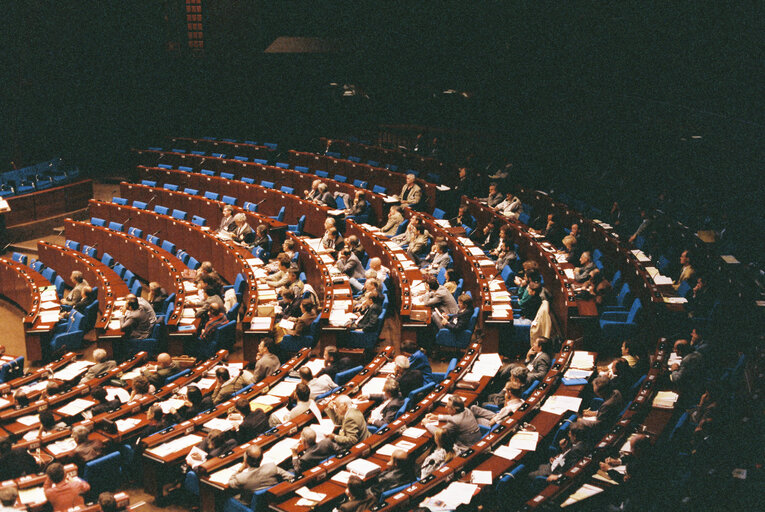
<point x="224" y="475"/>
<point x="76" y="407"/>
<point x="525" y="440"/>
<point x="559" y="404"/>
<point x="481" y="477"/>
<point x="507" y="453"/>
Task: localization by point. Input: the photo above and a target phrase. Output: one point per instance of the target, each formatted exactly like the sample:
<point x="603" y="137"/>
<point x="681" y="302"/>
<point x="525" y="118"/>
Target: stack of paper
<point x="49" y="316"/>
<point x="126" y="424"/>
<point x="584" y="492"/>
<point x="268" y="400"/>
<point x="63" y="446"/>
<point x="224" y="475"/>
<point x="175" y="445"/>
<point x="315" y="365"/>
<point x="283" y="389"/>
<point x="414" y="432"/>
<point x="675" y="300"/>
<point x="524" y="440"/>
<point x="569" y="273"/>
<point x="32" y="419"/>
<point x="487" y="364"/>
<point x="582" y="360"/>
<point x="72" y="370"/>
<point x="374" y="386"/>
<point x="662" y="280"/>
<point x="308" y="498"/>
<point x="665" y="400"/>
<point x="49" y="294"/>
<point x="112" y="393"/>
<point x="456" y="494"/>
<point x="75" y="407"/>
<point x="574" y="373"/>
<point x="363" y="468"/>
<point x="261" y="323"/>
<point x="171" y="403"/>
<point x="281" y="451"/>
<point x="507" y="453"/>
<point x="559" y="404"/>
<point x="32" y="495"/>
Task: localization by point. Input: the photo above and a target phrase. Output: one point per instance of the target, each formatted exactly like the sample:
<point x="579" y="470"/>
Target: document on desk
<point x="224" y="475"/>
<point x="221" y="424"/>
<point x="559" y="404"/>
<point x="49" y="304"/>
<point x="72" y="370"/>
<point x="281" y="451"/>
<point x="315" y="365"/>
<point x="524" y="440"/>
<point x="283" y="389"/>
<point x="584" y="492"/>
<point x="582" y="360"/>
<point x="63" y="446"/>
<point x="475" y="251"/>
<point x="414" y="432"/>
<point x="32" y="419"/>
<point x="171" y="403"/>
<point x="126" y="424"/>
<point x="507" y="453"/>
<point x="456" y="494"/>
<point x="32" y="495"/>
<point x="165" y="449"/>
<point x="341" y="477"/>
<point x="569" y="273"/>
<point x="374" y="386"/>
<point x="112" y="393"/>
<point x="363" y="468"/>
<point x="481" y="477"/>
<point x="75" y="407"/>
<point x="49" y="316"/>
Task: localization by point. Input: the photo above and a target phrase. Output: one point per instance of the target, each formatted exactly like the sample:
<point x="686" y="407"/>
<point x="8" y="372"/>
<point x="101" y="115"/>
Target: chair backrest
<point x="360" y="183"/>
<point x="103" y="473"/>
<point x="19" y="258"/>
<point x="282" y="165"/>
<point x="182" y="255"/>
<point x="280" y="215"/>
<point x="267" y="184"/>
<point x="530" y="389"/>
<point x="136" y="288"/>
<point x="377" y="189"/>
<point x="162" y="210"/>
<point x="115" y="226"/>
<point x="438" y="213"/>
<point x="229" y="200"/>
<point x="191" y="191"/>
<point x="322" y="174"/>
<point x="120" y="269"/>
<point x="139" y="204"/>
<point x="179" y="214"/>
<point x="623" y="293"/>
<point x="107" y="259"/>
<point x="301" y="168"/>
<point x="149" y="183"/>
<point x="152" y="239"/>
<point x="199" y="221"/>
<point x="340" y="178"/>
<point x="232" y="313"/>
<point x="342" y="377"/>
<point x="247" y="179"/>
<point x="170" y="186"/>
<point x="119" y="200"/>
<point x="71" y="244"/>
<point x="287" y="190"/>
<point x="227" y="175"/>
<point x="168" y="246"/>
<point x="634" y="310"/>
<point x="416" y="394"/>
<point x="90" y="251"/>
<point x="207" y="172"/>
<point x="60" y="285"/>
<point x="97" y="221"/>
<point x="402" y="226"/>
<point x="211" y="195"/>
<point x="193" y="263"/>
<point x="260" y="161"/>
<point x="136" y="232"/>
<point x="340" y="202"/>
<point x="177" y="375"/>
<point x="441" y="276"/>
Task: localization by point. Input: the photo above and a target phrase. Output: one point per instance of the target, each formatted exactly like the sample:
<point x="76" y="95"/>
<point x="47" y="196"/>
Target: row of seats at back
<point x="36" y="177"/>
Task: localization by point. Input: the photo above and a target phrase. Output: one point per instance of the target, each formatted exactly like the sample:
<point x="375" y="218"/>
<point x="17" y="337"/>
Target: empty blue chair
<point x="402" y="226"/>
<point x="193" y="263"/>
<point x="297" y="228"/>
<point x="71" y="244"/>
<point x="25" y="187"/>
<point x="207" y="172"/>
<point x="185" y="168"/>
<point x="137" y="288"/>
<point x="198" y="153"/>
<point x="267" y="184"/>
<point x="96" y="221"/>
<point x="622" y="299"/>
<point x="360" y="183"/>
<point x="438" y="213"/>
<point x="227" y="175"/>
<point x="119" y="200"/>
<point x="250" y="206"/>
<point x="247" y="179"/>
<point x="152" y="239"/>
<point x="271" y="145"/>
<point x="287" y="190"/>
<point x="438" y="377"/>
<point x="222" y="338"/>
<point x="354" y="159"/>
<point x="139" y="204"/>
<point x="620" y="324"/>
<point x="171" y="186"/>
<point x="322" y="174"/>
<point x="49" y="274"/>
<point x="90" y="251"/>
<point x="37" y="266"/>
<point x="373" y="163"/>
<point x="280" y="216"/>
<point x="301" y="168"/>
<point x="19" y="258"/>
<point x="165" y="166"/>
<point x="229" y="200"/>
<point x="377" y="189"/>
<point x="233" y="313"/>
<point x="178" y="150"/>
<point x="505" y="488"/>
<point x="129" y="278"/>
<point x="107" y="259"/>
<point x="120" y="269"/>
<point x="60" y="286"/>
<point x="241" y="159"/>
<point x="211" y="195"/>
<point x="168" y="246"/>
<point x="71" y="337"/>
<point x="340" y="178"/>
<point x="136" y="232"/>
<point x="179" y="214"/>
<point x="219" y="155"/>
<point x="340" y="202"/>
<point x="191" y="191"/>
<point x="333" y="154"/>
<point x="260" y="161"/>
<point x="115" y="226"/>
<point x="149" y="183"/>
<point x="282" y="165"/>
<point x="182" y="255"/>
<point x="162" y="210"/>
<point x="199" y="221"/>
<point x="433" y="178"/>
<point x="104" y="473"/>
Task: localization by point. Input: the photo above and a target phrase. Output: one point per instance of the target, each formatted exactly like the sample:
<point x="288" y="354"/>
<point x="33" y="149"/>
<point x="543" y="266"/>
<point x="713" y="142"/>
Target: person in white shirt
<point x="318" y="385"/>
<point x="489" y="418"/>
<point x="376" y="265"/>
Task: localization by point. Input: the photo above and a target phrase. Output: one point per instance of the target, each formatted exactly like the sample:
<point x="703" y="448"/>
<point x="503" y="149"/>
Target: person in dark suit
<point x="103" y="404"/>
<point x="290" y="304"/>
<point x="359" y="498"/>
<point x="386" y="405"/>
<point x="87" y="449"/>
<point x="216" y="443"/>
<point x="350" y="265"/>
<point x="573" y="449"/>
<point x="611" y="406"/>
<point x="400" y="471"/>
<point x="15" y="462"/>
<point x="225" y="386"/>
<point x="418" y="360"/>
<point x="303" y="323"/>
<point x="254" y="474"/>
<point x="325" y="197"/>
<point x="261" y="239"/>
<point x="461" y="423"/>
<point x="158" y="420"/>
<point x="360" y="208"/>
<point x="463" y="218"/>
<point x="495" y="197"/>
<point x="253" y="423"/>
<point x="194" y="404"/>
<point x="243" y="233"/>
<point x="486" y="237"/>
<point x="165" y="368"/>
<point x="101" y="364"/>
<point x="267" y="360"/>
<point x="460" y="320"/>
<point x="538" y="359"/>
<point x="411" y="193"/>
<point x="441" y="301"/>
<point x="227" y="224"/>
<point x="370" y="312"/>
<point x="408" y="378"/>
<point x="311" y="454"/>
<point x="74" y="296"/>
<point x="136" y="322"/>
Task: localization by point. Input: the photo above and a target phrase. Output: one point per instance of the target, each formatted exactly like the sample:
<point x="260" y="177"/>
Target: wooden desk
<point x="7" y="388"/>
<point x="22" y="285"/>
<point x="48" y="203"/>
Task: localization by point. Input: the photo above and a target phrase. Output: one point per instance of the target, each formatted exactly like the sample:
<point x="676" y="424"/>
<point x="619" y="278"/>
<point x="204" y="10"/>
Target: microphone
<point x="153" y="197"/>
<point x="156" y="232"/>
<point x="6" y="246"/>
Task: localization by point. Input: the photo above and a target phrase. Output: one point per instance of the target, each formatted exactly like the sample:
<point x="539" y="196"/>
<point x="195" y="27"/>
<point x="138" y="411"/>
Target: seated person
<point x="358" y="497"/>
<point x="207" y="274"/>
<point x="293" y="281"/>
<point x="687" y="272"/>
<point x="530" y="301"/>
<point x="254" y="474"/>
<point x="352" y="242"/>
<point x="325" y="197"/>
<point x="573" y="450"/>
<point x="165" y="368"/>
<point x="495" y="197"/>
<point x="266" y="360"/>
<point x="360" y="207"/>
<point x="511" y="207"/>
<point x="216" y="317"/>
<point x="460" y="423"/>
<point x="311" y="455"/>
<point x="103" y="403"/>
<point x="49" y="424"/>
<point x="394" y="219"/>
<point x="76" y="293"/>
<point x="107" y="502"/>
<point x="443" y="453"/>
<point x="411" y="193"/>
<point x="353" y="426"/>
<point x="87" y="449"/>
<point x="14" y="462"/>
<point x="303" y="402"/>
<point x="333" y="364"/>
<point x="399" y="471"/>
<point x="503" y="237"/>
<point x="381" y="271"/>
<point x="369" y="314"/>
<point x="216" y="443"/>
<point x="486" y="238"/>
<point x="688" y="375"/>
<point x="227" y="224"/>
<point x="289" y="305"/>
<point x="371" y="285"/>
<point x="490" y="418"/>
<point x="463" y="218"/>
<point x="9" y="494"/>
<point x="302" y="324"/>
<point x="156" y="298"/>
<point x="253" y="422"/>
<point x="612" y="404"/>
<point x="506" y="256"/>
<point x="701" y="299"/>
<point x="440" y="259"/>
<point x="313" y="193"/>
<point x="206" y="298"/>
<point x="441" y="300"/>
<point x="141" y="387"/>
<point x="137" y="320"/>
<point x="597" y="287"/>
<point x="243" y="234"/>
<point x="514" y="375"/>
<point x="281" y="277"/>
<point x="225" y="385"/>
<point x="158" y="420"/>
<point x="61" y="492"/>
<point x="408" y="378"/>
<point x="570" y="249"/>
<point x="349" y="264"/>
<point x="538" y="359"/>
<point x="460" y="320"/>
<point x="193" y="404"/>
<point x="316" y="385"/>
<point x="331" y="239"/>
<point x="582" y="273"/>
<point x="101" y="364"/>
<point x="451" y="280"/>
<point x="417" y="241"/>
<point x="386" y="405"/>
<point x="418" y="360"/>
<point x="261" y="238"/>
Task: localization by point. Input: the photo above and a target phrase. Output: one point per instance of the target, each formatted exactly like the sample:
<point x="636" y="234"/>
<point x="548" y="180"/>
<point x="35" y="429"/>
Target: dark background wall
<point x="575" y="90"/>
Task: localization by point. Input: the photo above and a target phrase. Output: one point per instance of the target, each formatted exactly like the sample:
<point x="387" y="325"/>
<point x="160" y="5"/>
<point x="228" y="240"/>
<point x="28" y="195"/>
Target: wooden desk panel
<point x="48" y="203"/>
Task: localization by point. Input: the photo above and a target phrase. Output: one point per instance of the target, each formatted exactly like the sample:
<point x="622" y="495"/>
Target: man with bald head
<point x="400" y="471"/>
<point x="137" y="317"/>
<point x="164" y="369"/>
<point x="353" y="426"/>
<point x="254" y="475"/>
